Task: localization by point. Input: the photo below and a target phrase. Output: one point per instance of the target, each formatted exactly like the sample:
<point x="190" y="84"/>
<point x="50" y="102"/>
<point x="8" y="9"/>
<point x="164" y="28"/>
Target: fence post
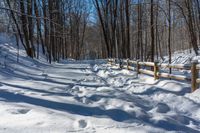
<point x="194" y="75"/>
<point x="113" y="61"/>
<point x="138" y="67"/>
<point x="156" y="70"/>
<point x="121" y="63"/>
<point x="128" y="64"/>
<point x="108" y="61"/>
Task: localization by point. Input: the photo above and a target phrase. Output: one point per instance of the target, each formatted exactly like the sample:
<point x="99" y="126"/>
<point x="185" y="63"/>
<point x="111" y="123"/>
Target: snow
<point x="182" y="57"/>
<point x="90" y="96"/>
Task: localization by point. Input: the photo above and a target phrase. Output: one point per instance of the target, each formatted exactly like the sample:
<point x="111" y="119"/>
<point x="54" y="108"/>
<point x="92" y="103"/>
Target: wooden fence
<point x="156" y="66"/>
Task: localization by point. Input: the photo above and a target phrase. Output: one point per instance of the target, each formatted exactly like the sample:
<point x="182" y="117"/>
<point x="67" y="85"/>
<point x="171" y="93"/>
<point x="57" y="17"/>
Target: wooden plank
<point x="198" y="66"/>
<point x="148" y="72"/>
<point x="176" y="66"/>
<point x="131" y="68"/>
<point x="124" y="66"/>
<point x="146" y="64"/>
<point x="198" y="81"/>
<point x="133" y="62"/>
<point x="110" y="61"/>
<point x="173" y="76"/>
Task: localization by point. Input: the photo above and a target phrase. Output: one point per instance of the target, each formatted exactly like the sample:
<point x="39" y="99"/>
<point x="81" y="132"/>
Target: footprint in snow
<point x="80" y="124"/>
<point x="83" y="99"/>
<point x="95" y="98"/>
<point x="18" y="111"/>
<point x="162" y="108"/>
<point x="39" y="123"/>
<point x="19" y="92"/>
<point x="32" y="93"/>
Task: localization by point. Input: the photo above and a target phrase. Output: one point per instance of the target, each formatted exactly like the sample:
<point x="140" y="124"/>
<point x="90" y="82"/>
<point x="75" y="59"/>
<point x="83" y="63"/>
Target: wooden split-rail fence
<point x="194" y="67"/>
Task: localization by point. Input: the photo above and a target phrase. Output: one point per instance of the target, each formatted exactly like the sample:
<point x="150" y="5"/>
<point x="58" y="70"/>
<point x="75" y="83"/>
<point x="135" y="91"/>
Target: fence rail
<point x="194" y="67"/>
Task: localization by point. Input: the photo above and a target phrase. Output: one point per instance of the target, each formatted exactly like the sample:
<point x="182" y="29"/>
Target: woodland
<point x="91" y="29"/>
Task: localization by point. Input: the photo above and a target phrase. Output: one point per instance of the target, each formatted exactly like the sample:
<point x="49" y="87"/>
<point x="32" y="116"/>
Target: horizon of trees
<point x="82" y="29"/>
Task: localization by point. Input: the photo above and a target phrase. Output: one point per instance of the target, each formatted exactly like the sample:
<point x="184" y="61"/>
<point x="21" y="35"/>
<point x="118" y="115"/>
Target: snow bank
<point x="182" y="57"/>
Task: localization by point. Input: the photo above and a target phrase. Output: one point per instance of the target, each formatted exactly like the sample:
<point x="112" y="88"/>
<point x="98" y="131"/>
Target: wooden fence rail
<point x="194" y="67"/>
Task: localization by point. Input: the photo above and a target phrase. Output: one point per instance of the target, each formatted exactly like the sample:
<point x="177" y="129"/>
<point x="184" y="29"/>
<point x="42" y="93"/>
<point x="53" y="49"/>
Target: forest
<point x="86" y="29"/>
<point x="99" y="66"/>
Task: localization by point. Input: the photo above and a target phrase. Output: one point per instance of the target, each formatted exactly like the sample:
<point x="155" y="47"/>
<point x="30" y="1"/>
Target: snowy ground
<point x="90" y="96"/>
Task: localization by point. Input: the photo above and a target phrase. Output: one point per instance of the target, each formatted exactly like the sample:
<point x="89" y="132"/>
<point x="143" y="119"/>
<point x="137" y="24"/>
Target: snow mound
<point x="195" y="96"/>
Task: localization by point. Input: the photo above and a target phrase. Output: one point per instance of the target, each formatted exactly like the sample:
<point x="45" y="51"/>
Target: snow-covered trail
<point x="91" y="96"/>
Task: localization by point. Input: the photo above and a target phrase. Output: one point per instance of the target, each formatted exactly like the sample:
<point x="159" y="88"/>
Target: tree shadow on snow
<point x="154" y="89"/>
<point x="38" y="90"/>
<point x="115" y="114"/>
<point x="169" y="124"/>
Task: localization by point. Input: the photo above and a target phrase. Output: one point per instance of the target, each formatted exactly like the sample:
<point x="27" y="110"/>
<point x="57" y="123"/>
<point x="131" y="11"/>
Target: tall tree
<point x="152" y="31"/>
<point x="169" y="34"/>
